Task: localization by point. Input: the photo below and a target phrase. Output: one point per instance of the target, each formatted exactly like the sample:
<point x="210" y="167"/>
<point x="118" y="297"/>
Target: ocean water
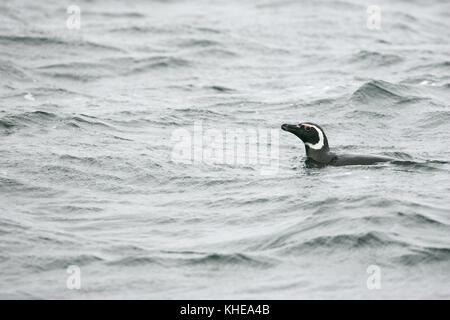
<point x="88" y="176"/>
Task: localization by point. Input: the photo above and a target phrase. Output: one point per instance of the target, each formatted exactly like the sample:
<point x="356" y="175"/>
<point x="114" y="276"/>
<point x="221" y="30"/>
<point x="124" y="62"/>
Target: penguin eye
<point x="307" y="128"/>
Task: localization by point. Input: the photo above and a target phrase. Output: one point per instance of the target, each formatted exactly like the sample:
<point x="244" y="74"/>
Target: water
<point x="87" y="176"/>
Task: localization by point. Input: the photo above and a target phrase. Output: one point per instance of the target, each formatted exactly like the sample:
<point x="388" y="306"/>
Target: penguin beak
<point x="289" y="127"/>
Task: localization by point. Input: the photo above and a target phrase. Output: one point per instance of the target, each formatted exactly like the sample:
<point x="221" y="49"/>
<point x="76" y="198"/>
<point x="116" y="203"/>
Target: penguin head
<point x="311" y="134"/>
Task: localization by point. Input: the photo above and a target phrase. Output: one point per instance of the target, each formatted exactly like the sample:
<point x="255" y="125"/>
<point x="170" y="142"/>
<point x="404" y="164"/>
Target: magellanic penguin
<point x="318" y="151"/>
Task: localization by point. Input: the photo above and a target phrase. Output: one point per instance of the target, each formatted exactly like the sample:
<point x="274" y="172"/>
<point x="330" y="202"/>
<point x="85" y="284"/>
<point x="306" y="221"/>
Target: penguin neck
<point x="320" y="155"/>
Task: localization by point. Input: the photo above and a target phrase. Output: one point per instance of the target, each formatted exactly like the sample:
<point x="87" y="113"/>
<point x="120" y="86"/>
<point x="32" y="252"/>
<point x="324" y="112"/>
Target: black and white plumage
<point x="318" y="150"/>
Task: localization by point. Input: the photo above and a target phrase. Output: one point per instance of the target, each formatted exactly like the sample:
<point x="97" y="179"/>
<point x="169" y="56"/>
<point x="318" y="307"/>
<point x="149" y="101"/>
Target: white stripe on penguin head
<point x="320" y="143"/>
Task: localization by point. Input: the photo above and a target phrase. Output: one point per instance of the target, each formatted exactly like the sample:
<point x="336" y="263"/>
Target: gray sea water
<point x="87" y="175"/>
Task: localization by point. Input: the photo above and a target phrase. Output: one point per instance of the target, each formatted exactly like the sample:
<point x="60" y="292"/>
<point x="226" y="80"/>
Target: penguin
<point x="318" y="152"/>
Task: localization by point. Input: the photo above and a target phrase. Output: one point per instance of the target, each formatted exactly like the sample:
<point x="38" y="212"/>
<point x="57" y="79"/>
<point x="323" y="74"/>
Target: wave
<point x="33" y="190"/>
<point x="377" y="90"/>
<point x="375" y="59"/>
<point x="421" y="219"/>
<point x="220" y="88"/>
<point x="39" y="119"/>
<point x="81" y="120"/>
<point x="115" y="14"/>
<point x="198" y="43"/>
<point x="365" y="114"/>
<point x="308" y="236"/>
<point x="428" y="165"/>
<point x="36" y="41"/>
<point x="129" y="66"/>
<point x="45" y="264"/>
<point x="27" y="119"/>
<point x="80" y="71"/>
<point x="137" y="29"/>
<point x="199" y="113"/>
<point x="371" y="239"/>
<point x="32" y="40"/>
<point x="434" y="119"/>
<point x="6" y="124"/>
<point x="9" y="71"/>
<point x="190" y="258"/>
<point x="216" y="52"/>
<point x="435" y="66"/>
<point x="172" y="117"/>
<point x="420" y="256"/>
<point x="233" y="259"/>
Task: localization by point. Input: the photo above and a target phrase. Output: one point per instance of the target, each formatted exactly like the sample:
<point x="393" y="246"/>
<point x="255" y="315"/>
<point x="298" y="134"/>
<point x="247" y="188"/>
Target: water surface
<point x="87" y="177"/>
